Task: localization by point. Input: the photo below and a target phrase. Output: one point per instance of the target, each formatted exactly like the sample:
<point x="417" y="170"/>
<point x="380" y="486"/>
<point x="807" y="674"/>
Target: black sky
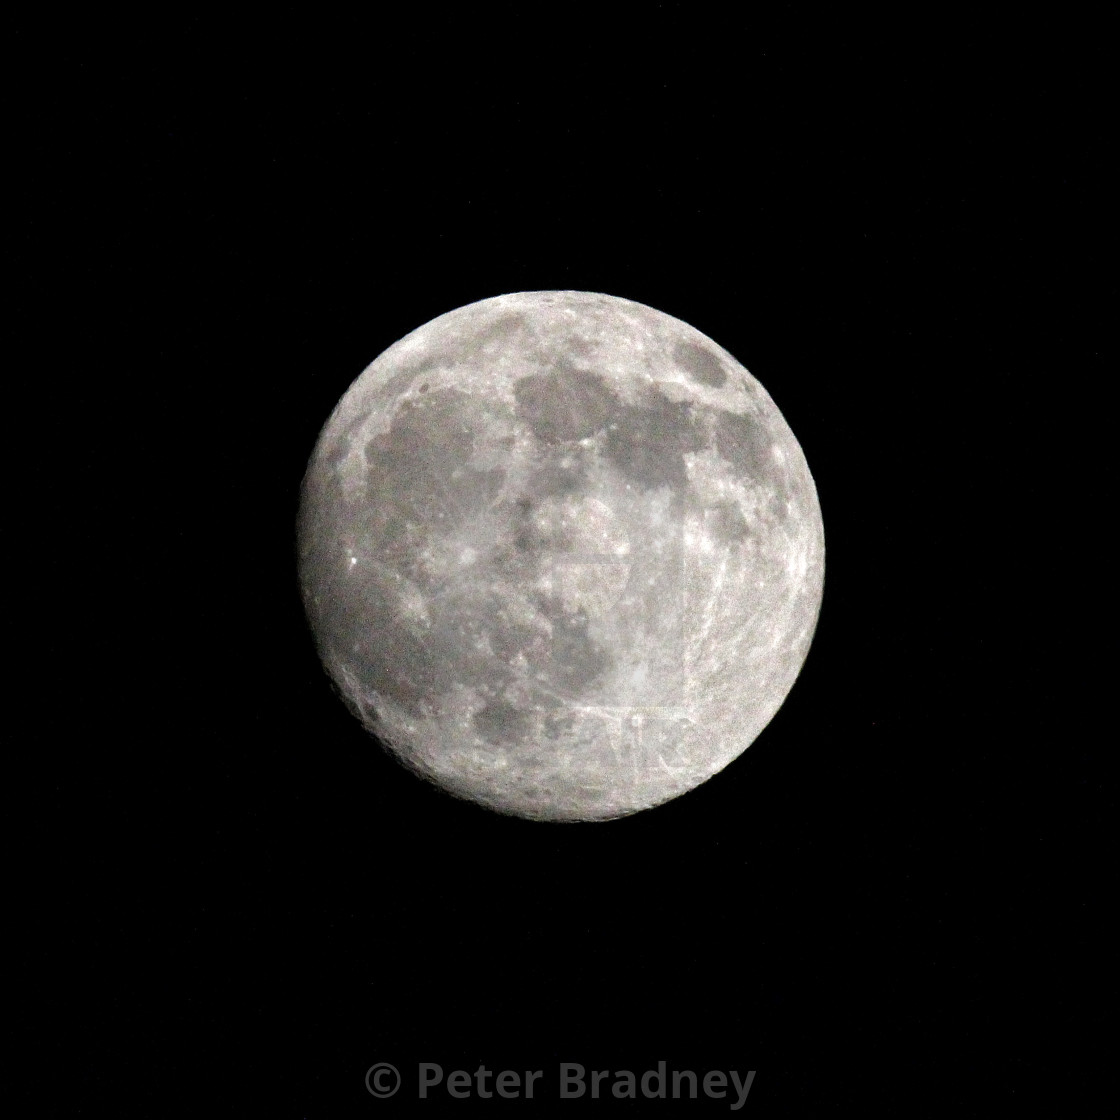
<point x="230" y="899"/>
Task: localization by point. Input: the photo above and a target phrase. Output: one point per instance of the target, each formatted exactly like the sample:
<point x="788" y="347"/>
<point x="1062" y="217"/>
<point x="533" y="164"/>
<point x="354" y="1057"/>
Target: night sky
<point x="228" y="898"/>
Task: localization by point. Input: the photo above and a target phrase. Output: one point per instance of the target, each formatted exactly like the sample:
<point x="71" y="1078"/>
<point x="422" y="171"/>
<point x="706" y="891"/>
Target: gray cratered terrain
<point x="561" y="553"/>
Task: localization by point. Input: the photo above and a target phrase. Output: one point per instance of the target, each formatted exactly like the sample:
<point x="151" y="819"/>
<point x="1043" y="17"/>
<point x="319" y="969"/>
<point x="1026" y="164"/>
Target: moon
<point x="561" y="554"/>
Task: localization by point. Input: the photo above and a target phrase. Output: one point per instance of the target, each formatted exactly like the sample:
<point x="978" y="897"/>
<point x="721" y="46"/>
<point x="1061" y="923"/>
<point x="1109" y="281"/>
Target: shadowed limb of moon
<point x="561" y="553"/>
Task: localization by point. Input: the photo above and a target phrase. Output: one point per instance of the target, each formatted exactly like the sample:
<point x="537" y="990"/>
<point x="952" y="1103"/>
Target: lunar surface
<point x="561" y="554"/>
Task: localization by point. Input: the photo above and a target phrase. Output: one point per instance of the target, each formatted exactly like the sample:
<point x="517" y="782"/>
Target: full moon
<point x="561" y="554"/>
